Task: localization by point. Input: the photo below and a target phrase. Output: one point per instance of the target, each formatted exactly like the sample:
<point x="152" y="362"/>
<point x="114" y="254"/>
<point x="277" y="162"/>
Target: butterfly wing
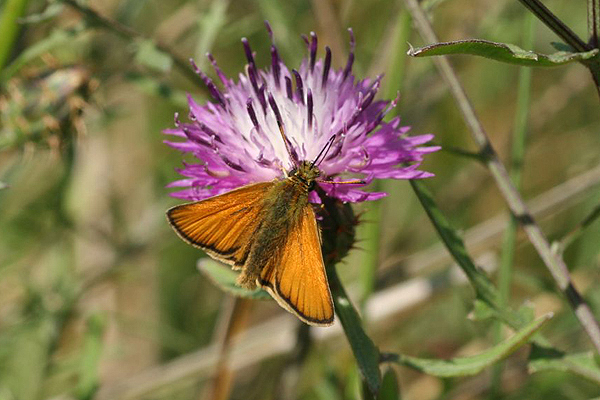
<point x="297" y="278"/>
<point x="222" y="225"/>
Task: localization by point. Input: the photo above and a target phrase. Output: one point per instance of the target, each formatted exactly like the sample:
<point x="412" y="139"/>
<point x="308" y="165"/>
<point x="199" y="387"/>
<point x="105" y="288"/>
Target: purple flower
<point x="238" y="141"/>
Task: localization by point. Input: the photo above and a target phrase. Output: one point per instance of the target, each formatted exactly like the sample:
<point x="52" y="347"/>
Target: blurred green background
<point x="100" y="299"/>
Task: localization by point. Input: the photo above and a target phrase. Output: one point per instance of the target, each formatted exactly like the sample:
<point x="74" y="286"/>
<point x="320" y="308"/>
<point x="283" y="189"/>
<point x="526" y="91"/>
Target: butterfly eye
<point x="311" y="185"/>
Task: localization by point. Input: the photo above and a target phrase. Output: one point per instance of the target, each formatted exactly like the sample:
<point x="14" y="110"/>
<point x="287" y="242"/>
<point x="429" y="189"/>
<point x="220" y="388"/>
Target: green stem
<point x="364" y="350"/>
<point x="554" y="263"/>
<point x="594" y="23"/>
<point x="555" y="24"/>
<point x="338" y="237"/>
<point x="9" y="27"/>
<point x="516" y="169"/>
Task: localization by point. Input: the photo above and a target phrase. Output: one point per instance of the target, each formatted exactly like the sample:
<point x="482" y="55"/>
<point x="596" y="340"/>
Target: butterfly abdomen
<point x="281" y="212"/>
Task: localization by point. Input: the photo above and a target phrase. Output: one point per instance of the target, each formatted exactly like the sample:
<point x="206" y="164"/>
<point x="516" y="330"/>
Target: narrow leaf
<point x="210" y="23"/>
<point x="225" y="278"/>
<point x="51" y="11"/>
<point x="484" y="289"/>
<point x="365" y="351"/>
<point x="390" y="390"/>
<point x="89" y="379"/>
<point x="149" y="56"/>
<point x="22" y="372"/>
<point x="474" y="364"/>
<point x="508" y="53"/>
<point x="585" y="364"/>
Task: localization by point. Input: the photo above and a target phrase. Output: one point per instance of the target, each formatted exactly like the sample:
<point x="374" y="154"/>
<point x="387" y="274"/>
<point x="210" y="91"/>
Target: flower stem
<point x="516" y="169"/>
<point x="338" y="230"/>
<point x="555" y="24"/>
<point x="9" y="27"/>
<point x="129" y="33"/>
<point x="554" y="263"/>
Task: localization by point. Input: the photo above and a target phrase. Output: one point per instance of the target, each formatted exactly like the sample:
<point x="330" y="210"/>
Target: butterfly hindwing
<point x="296" y="278"/>
<point x="221" y="225"/>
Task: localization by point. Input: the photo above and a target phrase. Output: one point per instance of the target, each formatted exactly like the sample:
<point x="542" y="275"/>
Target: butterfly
<point x="269" y="231"/>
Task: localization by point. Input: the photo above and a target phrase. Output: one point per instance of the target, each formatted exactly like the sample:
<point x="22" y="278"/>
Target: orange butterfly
<point x="269" y="231"/>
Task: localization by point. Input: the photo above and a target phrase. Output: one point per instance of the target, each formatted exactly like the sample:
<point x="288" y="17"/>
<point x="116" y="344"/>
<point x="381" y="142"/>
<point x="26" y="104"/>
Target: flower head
<point x="238" y="137"/>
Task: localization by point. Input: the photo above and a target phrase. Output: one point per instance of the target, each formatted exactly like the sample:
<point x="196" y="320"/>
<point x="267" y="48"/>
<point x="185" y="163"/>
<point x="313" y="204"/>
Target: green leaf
<point x="366" y="353"/>
<point x="472" y="365"/>
<point x="22" y="372"/>
<point x="149" y="56"/>
<point x="484" y="289"/>
<point x="225" y="278"/>
<point x="481" y="311"/>
<point x="390" y="390"/>
<point x="508" y="53"/>
<point x="89" y="379"/>
<point x="51" y="11"/>
<point x="585" y="364"/>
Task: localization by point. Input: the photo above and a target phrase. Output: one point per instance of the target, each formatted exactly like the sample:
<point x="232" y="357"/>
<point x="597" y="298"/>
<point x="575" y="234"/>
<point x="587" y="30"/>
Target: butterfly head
<point x="306" y="173"/>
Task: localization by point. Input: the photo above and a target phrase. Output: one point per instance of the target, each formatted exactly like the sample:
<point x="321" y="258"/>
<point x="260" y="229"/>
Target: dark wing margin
<point x="297" y="279"/>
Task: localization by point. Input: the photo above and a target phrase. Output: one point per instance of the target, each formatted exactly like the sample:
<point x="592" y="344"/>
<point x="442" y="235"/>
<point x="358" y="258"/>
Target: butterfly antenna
<point x="279" y="120"/>
<point x="323" y="152"/>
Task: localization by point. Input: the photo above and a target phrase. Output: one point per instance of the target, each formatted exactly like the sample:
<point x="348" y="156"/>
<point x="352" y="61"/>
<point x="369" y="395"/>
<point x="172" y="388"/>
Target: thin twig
<point x="594" y="23"/>
<point x="129" y="33"/>
<point x="555" y="264"/>
<point x="576" y="232"/>
<point x="232" y="322"/>
<point x="555" y="24"/>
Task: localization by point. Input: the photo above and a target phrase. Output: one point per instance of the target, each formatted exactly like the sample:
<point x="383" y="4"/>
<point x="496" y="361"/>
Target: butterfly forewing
<point x="222" y="225"/>
<point x="297" y="278"/>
